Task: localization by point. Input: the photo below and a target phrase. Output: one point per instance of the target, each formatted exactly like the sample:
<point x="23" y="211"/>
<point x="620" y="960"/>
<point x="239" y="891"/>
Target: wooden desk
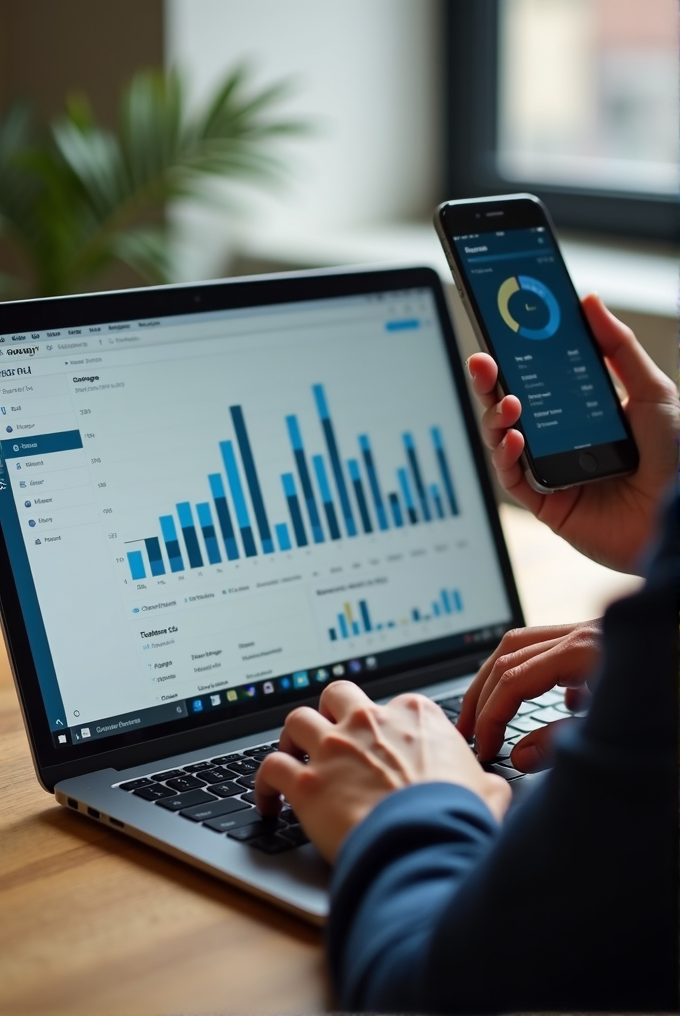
<point x="92" y="922"/>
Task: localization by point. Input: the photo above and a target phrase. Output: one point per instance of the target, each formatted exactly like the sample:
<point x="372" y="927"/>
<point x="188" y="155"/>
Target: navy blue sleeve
<point x="573" y="905"/>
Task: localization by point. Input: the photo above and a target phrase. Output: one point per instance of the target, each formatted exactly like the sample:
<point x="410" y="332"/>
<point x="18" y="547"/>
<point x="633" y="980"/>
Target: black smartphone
<point x="524" y="309"/>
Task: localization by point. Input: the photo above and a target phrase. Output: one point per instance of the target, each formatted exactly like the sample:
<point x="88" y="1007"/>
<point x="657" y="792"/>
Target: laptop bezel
<point x="121" y="305"/>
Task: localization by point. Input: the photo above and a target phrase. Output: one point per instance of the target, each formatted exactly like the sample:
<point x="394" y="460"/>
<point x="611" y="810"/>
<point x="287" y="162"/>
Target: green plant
<point x="77" y="198"/>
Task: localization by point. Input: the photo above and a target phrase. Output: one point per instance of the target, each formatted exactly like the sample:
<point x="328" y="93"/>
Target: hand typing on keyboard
<point x="527" y="663"/>
<point x="358" y="752"/>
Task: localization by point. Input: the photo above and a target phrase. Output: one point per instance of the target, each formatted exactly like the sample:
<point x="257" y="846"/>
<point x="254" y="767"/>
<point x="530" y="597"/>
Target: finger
<point x="499" y="418"/>
<point x="642" y="379"/>
<point x="484" y="376"/>
<point x="340" y="699"/>
<point x="510" y="473"/>
<point x="302" y="732"/>
<point x="512" y="641"/>
<point x="577" y="699"/>
<point x="532" y="753"/>
<point x="275" y="777"/>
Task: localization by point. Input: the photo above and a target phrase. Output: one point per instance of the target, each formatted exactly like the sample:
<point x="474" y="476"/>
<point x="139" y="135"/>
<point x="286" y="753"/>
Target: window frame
<point x="471" y="46"/>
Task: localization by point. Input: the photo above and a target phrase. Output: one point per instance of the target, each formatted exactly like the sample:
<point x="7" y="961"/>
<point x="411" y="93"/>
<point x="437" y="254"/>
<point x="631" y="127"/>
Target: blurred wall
<point x="366" y="74"/>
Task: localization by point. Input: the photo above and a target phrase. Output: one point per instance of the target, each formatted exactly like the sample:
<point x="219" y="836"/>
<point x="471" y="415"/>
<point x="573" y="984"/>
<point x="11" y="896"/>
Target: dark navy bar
<point x="251" y="479"/>
<point x="153" y="549"/>
<point x="186" y="521"/>
<point x="208" y="530"/>
<point x="396" y="510"/>
<point x="444" y="469"/>
<point x="224" y="516"/>
<point x="365" y="446"/>
<point x="434" y="494"/>
<point x="406" y="493"/>
<point x="409" y="444"/>
<point x="329" y="434"/>
<point x="294" y="508"/>
<point x="43" y="444"/>
<point x="242" y="517"/>
<point x="355" y="475"/>
<point x="305" y="481"/>
<point x="171" y="543"/>
<point x="325" y="490"/>
<point x="365" y="616"/>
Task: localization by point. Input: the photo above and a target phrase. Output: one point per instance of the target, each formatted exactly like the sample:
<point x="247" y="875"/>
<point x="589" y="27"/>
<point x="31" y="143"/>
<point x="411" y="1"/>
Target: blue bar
<point x="332" y="634"/>
<point x="444" y="468"/>
<point x="208" y="530"/>
<point x="186" y="521"/>
<point x="355" y="476"/>
<point x="329" y="433"/>
<point x="458" y="602"/>
<point x="224" y="516"/>
<point x="396" y="510"/>
<point x="305" y="481"/>
<point x="342" y="621"/>
<point x="406" y="492"/>
<point x="365" y="446"/>
<point x="242" y="517"/>
<point x="136" y="562"/>
<point x="415" y="614"/>
<point x="329" y="507"/>
<point x="436" y="609"/>
<point x="434" y="494"/>
<point x="153" y="549"/>
<point x="446" y="601"/>
<point x="363" y="607"/>
<point x="355" y="628"/>
<point x="251" y="479"/>
<point x="410" y="447"/>
<point x="294" y="508"/>
<point x="391" y="624"/>
<point x="404" y="325"/>
<point x="282" y="536"/>
<point x="171" y="543"/>
<point x="379" y="627"/>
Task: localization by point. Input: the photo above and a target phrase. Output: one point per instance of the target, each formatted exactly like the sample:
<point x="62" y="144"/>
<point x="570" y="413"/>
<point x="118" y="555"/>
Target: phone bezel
<point x="546" y="473"/>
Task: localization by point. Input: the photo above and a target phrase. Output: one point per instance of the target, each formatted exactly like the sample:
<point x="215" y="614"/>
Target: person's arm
<point x="610" y="521"/>
<point x="572" y="905"/>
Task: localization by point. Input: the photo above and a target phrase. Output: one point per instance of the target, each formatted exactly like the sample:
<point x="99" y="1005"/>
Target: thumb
<point x="532" y="753"/>
<point x="636" y="370"/>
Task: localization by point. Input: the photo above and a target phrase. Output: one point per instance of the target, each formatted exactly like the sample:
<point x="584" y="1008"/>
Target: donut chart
<point x="525" y="283"/>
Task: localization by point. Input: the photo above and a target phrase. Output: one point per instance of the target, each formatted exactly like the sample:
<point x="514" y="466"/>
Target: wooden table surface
<point x="92" y="922"/>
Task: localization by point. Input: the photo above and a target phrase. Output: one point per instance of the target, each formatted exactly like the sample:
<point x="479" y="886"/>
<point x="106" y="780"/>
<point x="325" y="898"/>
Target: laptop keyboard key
<point x="270" y="844"/>
<point x="186" y="800"/>
<point x="264" y="749"/>
<point x="259" y="827"/>
<point x="453" y="704"/>
<point x="217" y="775"/>
<point x="247" y="781"/>
<point x="205" y="812"/>
<point x="222" y="760"/>
<point x="295" y="835"/>
<point x="524" y="723"/>
<point x="507" y="772"/>
<point x="224" y="823"/>
<point x="226" y="789"/>
<point x="195" y="767"/>
<point x="167" y="775"/>
<point x="186" y="783"/>
<point x="245" y="766"/>
<point x="156" y="792"/>
<point x="131" y="785"/>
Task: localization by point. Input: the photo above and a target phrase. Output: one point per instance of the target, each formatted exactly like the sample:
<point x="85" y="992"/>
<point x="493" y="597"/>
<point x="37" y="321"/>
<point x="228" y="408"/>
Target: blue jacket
<point x="573" y="903"/>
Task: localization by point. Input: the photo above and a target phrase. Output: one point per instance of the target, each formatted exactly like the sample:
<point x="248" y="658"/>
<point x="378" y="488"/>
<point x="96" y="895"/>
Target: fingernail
<point x="470" y="372"/>
<point x="504" y="441"/>
<point x="499" y="408"/>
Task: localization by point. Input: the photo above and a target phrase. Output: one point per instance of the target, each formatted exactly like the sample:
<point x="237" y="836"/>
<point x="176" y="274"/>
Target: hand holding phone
<point x="609" y="522"/>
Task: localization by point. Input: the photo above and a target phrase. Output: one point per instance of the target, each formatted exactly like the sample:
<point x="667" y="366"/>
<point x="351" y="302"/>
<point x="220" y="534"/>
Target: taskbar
<point x="215" y="704"/>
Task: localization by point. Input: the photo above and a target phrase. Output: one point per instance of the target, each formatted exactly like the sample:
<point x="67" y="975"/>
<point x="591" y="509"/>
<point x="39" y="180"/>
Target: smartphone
<point x="524" y="309"/>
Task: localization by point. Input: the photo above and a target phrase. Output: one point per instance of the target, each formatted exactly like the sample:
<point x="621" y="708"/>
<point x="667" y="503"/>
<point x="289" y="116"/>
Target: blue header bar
<point x="41" y="444"/>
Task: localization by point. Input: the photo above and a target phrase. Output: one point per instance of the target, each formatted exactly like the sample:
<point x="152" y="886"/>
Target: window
<point x="576" y="100"/>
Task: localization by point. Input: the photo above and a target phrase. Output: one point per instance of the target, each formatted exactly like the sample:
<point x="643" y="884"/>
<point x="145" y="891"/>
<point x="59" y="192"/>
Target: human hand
<point x="358" y="752"/>
<point x="609" y="521"/>
<point x="527" y="663"/>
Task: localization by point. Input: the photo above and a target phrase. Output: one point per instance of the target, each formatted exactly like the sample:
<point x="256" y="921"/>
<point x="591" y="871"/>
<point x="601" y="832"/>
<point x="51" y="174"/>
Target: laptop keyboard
<point x="218" y="793"/>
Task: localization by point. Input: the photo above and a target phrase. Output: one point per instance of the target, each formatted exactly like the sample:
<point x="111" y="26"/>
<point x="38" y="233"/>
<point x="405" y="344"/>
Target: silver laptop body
<point x="215" y="499"/>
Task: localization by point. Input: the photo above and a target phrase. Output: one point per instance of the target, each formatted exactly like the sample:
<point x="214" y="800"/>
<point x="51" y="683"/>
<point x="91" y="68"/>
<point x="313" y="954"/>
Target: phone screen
<point x="536" y="330"/>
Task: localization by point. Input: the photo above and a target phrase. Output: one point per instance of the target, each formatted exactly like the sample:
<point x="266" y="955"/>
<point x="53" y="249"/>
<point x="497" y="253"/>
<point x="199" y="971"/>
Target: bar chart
<point x="332" y="494"/>
<point x="358" y="619"/>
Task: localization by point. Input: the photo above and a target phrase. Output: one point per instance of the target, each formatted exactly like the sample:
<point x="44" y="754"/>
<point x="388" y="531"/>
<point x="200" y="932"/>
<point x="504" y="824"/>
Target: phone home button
<point x="587" y="462"/>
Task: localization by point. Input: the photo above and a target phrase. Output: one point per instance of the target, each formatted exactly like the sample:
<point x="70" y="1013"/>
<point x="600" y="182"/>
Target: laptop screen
<point x="210" y="513"/>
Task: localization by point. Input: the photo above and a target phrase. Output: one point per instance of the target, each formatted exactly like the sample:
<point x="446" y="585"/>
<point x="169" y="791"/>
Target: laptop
<point x="214" y="500"/>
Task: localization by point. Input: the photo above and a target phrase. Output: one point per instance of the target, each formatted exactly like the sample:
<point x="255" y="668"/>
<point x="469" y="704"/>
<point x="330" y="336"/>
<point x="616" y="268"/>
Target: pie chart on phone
<point x="532" y="302"/>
